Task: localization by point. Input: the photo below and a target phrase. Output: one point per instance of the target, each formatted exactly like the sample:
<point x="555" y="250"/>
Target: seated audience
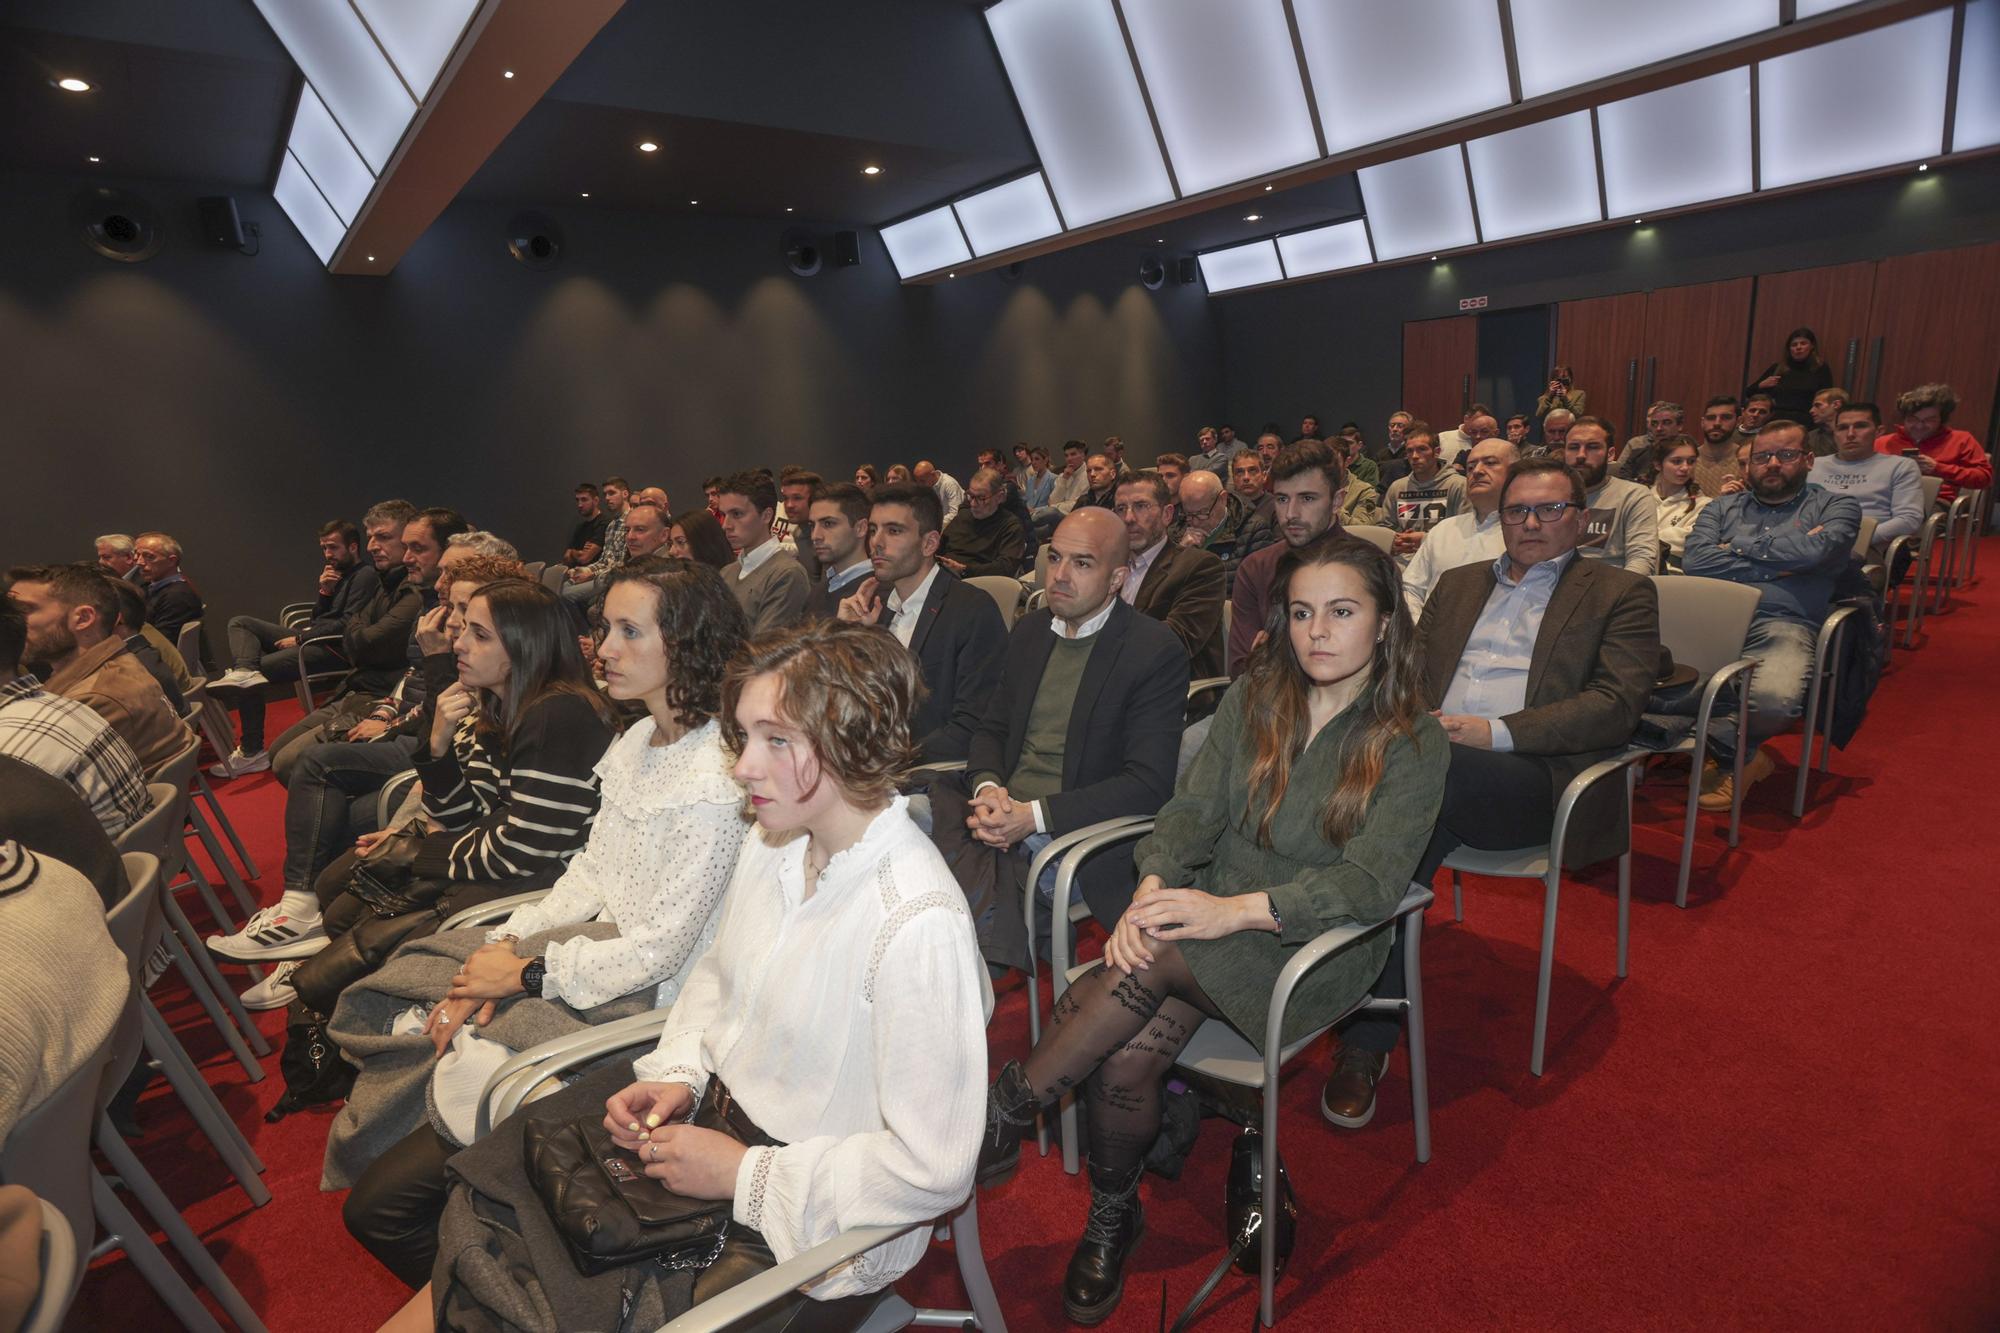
<point x="1084" y="725"/>
<point x="50" y="817"/>
<point x="171" y="600"/>
<point x="954" y="631"/>
<point x="1114" y="449"/>
<point x="1363" y="506"/>
<point x="1248" y="481"/>
<point x="1102" y="474"/>
<point x="1354" y="453"/>
<point x="1211" y="455"/>
<point x="1307" y="487"/>
<point x="1715" y="458"/>
<point x="584" y="584"/>
<point x="1888" y="487"/>
<point x="1940" y="449"/>
<point x="1515" y="429"/>
<point x="1756" y="410"/>
<point x="1680" y="499"/>
<point x="1272" y="838"/>
<point x="1393" y="435"/>
<point x="837" y="527"/>
<point x="1038" y="483"/>
<point x="1180" y="586"/>
<point x="1790" y="382"/>
<point x="1471" y="537"/>
<point x="1071" y="483"/>
<point x="148" y="645"/>
<point x="1456" y="441"/>
<point x="1640" y="459"/>
<point x="867" y="478"/>
<point x="1826" y="405"/>
<point x="72" y="619"/>
<point x="660" y="854"/>
<point x="64" y="738"/>
<point x="1479" y="426"/>
<point x="586" y="540"/>
<point x="1433" y="491"/>
<point x="1790" y="540"/>
<point x="1309" y="426"/>
<point x="1623" y="523"/>
<point x="986" y="539"/>
<point x="648" y="530"/>
<point x="117" y="558"/>
<point x="898" y="475"/>
<point x="771" y="586"/>
<point x="869" y="1105"/>
<point x="1173" y="469"/>
<point x="697" y="535"/>
<point x="794" y="525"/>
<point x="949" y="493"/>
<point x="1537" y="664"/>
<point x="1268" y="445"/>
<point x="1561" y="395"/>
<point x="1555" y="433"/>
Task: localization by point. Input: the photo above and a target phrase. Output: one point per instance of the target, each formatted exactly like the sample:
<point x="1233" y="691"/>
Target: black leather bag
<point x="608" y="1210"/>
<point x="1243" y="1203"/>
<point x="356" y="953"/>
<point x="385" y="879"/>
<point x="312" y="1067"/>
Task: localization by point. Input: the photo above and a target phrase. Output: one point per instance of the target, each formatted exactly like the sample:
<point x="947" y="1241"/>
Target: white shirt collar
<point x="1136" y="575"/>
<point x="897" y="601"/>
<point x="1059" y="626"/>
<point x="748" y="563"/>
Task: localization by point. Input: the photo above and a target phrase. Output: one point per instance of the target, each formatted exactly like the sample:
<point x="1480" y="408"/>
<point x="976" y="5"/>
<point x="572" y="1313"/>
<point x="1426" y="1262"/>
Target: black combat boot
<point x="1010" y="1109"/>
<point x="1096" y="1276"/>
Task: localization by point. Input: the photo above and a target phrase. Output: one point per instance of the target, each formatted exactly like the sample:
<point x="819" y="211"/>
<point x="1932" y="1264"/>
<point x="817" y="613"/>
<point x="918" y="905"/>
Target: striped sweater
<point x="515" y="809"/>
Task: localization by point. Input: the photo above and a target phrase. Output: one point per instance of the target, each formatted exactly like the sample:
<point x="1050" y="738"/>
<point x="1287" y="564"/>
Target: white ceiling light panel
<point x="1418" y="204"/>
<point x="1814" y="8"/>
<point x="418" y="34"/>
<point x="1815" y="121"/>
<point x="329" y="158"/>
<point x="1977" y="122"/>
<point x="1677" y="146"/>
<point x="308" y="209"/>
<point x="1240" y="266"/>
<point x="1074" y="80"/>
<point x="1561" y="43"/>
<point x="1008" y="215"/>
<point x="926" y="243"/>
<point x="1362" y="54"/>
<point x="1219" y="131"/>
<point x="1540" y="177"/>
<point x="338" y="57"/>
<point x="1325" y="249"/>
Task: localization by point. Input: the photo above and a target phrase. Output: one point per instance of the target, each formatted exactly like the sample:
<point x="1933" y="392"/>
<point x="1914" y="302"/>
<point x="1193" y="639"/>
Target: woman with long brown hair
<point x="696" y="535"/>
<point x="1309" y="806"/>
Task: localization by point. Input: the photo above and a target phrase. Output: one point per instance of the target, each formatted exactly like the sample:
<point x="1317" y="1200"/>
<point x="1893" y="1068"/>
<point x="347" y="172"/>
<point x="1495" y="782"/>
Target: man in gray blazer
<point x="1538" y="664"/>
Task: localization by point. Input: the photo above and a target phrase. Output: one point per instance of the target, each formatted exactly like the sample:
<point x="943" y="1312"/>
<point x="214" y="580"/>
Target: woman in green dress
<point x="1308" y="808"/>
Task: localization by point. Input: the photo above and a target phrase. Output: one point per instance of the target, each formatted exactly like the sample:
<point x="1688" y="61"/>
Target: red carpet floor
<point x="1784" y="1118"/>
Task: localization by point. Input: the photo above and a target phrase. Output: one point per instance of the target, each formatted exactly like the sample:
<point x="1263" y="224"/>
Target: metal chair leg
<point x="207" y="793"/>
<point x="168" y="1219"/>
<point x="1696" y="762"/>
<point x="217" y="996"/>
<point x="1457" y="897"/>
<point x="1546" y="969"/>
<point x="244" y="898"/>
<point x="1413" y="990"/>
<point x="972" y="1268"/>
<point x="1625" y="873"/>
<point x="193" y="875"/>
<point x="201" y="1103"/>
<point x="114" y="1218"/>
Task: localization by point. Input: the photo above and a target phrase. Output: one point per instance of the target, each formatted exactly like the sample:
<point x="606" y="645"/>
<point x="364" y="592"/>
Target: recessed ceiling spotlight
<point x="371" y="259"/>
<point x="1434" y="259"/>
<point x="586" y="194"/>
<point x="93" y="158"/>
<point x="506" y="73"/>
<point x="1638" y="222"/>
<point x="648" y="146"/>
<point x="1253" y="217"/>
<point x="951" y="275"/>
<point x="1267" y="189"/>
<point x="788" y="208"/>
<point x="1923" y="166"/>
<point x="73" y="85"/>
<point x="693" y="202"/>
<point x="871" y="171"/>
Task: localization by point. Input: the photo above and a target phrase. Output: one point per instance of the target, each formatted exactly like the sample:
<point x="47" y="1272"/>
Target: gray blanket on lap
<point x="391" y="1096"/>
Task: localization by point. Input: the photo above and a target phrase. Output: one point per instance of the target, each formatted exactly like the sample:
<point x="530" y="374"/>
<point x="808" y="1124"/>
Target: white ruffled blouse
<point x="657" y="864"/>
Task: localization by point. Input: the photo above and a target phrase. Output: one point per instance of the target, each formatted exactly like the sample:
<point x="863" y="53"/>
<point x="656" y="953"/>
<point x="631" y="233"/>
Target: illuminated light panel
<point x="1359" y="53"/>
<point x="1074" y="80"/>
<point x="1240" y="266"/>
<point x="1813" y="8"/>
<point x="1561" y="43"/>
<point x="1977" y="124"/>
<point x="342" y="177"/>
<point x="307" y="208"/>
<point x="1540" y="177"/>
<point x="350" y="73"/>
<point x="1325" y="249"/>
<point x="1009" y="215"/>
<point x="1812" y="122"/>
<point x="418" y="35"/>
<point x="1681" y="145"/>
<point x="925" y="243"/>
<point x="1220" y="132"/>
<point x="1418" y="204"/>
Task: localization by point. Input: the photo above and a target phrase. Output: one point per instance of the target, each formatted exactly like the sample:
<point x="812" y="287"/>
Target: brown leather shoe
<point x="1349" y="1097"/>
<point x="1760" y="766"/>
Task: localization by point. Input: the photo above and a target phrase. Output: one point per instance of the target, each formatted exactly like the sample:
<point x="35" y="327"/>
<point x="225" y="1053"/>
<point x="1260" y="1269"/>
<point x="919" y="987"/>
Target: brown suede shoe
<point x="1349" y="1098"/>
<point x="1759" y="766"/>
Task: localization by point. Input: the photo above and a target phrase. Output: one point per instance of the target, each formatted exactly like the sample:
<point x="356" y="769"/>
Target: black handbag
<point x="386" y="880"/>
<point x="608" y="1211"/>
<point x="312" y="1067"/>
<point x="1243" y="1204"/>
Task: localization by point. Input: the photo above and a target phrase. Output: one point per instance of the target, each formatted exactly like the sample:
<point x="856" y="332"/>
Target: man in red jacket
<point x="1941" y="451"/>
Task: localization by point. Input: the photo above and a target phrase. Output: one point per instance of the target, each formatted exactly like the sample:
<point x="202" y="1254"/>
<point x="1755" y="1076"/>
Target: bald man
<point x="950" y="494"/>
<point x="1084" y="726"/>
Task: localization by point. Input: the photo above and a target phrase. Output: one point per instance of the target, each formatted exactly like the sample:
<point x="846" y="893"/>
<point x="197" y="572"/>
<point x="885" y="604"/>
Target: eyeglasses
<point x="1516" y="515"/>
<point x="1778" y="456"/>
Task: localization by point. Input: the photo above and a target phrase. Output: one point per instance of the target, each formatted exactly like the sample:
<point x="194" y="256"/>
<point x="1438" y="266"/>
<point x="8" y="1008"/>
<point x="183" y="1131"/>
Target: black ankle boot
<point x="1010" y="1109"/>
<point x="1096" y="1276"/>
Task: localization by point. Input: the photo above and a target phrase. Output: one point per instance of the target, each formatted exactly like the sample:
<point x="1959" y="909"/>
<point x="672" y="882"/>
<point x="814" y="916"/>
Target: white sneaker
<point x="274" y="991"/>
<point x="242" y="678"/>
<point x="271" y="934"/>
<point x="239" y="763"/>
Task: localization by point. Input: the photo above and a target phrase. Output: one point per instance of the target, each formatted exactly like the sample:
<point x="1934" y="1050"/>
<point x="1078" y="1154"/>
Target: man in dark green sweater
<point x="983" y="538"/>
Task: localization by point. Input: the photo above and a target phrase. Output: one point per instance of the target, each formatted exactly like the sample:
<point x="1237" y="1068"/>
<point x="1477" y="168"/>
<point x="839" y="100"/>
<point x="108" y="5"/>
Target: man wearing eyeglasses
<point x="1538" y="664"/>
<point x="1639" y="460"/>
<point x="1790" y="539"/>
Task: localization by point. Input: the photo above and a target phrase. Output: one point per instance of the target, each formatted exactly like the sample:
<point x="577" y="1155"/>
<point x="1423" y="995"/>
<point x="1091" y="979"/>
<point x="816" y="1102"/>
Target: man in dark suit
<point x="1538" y="664"/>
<point x="952" y="628"/>
<point x="1180" y="586"/>
<point x="1084" y="726"/>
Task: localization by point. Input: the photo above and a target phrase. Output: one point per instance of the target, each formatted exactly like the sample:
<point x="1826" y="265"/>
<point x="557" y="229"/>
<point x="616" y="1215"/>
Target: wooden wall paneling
<point x="1695" y="337"/>
<point x="1937" y="315"/>
<point x="1833" y="302"/>
<point x="1440" y="357"/>
<point x="1603" y="342"/>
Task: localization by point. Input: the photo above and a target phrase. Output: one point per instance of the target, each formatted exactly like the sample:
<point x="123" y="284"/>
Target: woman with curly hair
<point x="1308" y="807"/>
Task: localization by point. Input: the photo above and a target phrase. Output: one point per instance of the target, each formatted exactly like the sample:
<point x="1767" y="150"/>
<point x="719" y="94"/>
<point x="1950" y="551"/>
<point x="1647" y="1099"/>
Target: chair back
<point x="1931" y="485"/>
<point x="189" y="644"/>
<point x="179" y="770"/>
<point x="158" y="832"/>
<point x="48" y="1150"/>
<point x="62" y="1273"/>
<point x="1383" y="539"/>
<point x="1006" y="594"/>
<point x="1865" y="537"/>
<point x="135" y="924"/>
<point x="1703" y="621"/>
<point x="1042" y="565"/>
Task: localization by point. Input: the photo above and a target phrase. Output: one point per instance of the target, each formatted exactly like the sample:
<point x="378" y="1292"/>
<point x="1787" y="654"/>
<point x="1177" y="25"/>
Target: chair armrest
<point x="746" y="1298"/>
<point x="487" y="914"/>
<point x="1087" y="842"/>
<point x="1037" y="599"/>
<point x="58" y="1270"/>
<point x="1316" y="951"/>
<point x="1742" y="666"/>
<point x="1580" y="784"/>
<point x="393" y="793"/>
<point x="1207" y="684"/>
<point x="1830" y="631"/>
<point x="940" y="768"/>
<point x="554" y="1058"/>
<point x="1058" y="846"/>
<point x="294" y="614"/>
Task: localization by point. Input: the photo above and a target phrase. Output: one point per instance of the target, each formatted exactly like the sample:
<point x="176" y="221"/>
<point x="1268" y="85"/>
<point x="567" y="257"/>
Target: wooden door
<point x="1695" y="339"/>
<point x="1440" y="357"/>
<point x="1937" y="316"/>
<point x="1603" y="341"/>
<point x="1833" y="302"/>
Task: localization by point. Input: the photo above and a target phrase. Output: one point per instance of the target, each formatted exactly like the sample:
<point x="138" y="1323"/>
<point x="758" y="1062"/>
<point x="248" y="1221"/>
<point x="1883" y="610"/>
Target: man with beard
<point x="1790" y="540"/>
<point x="1715" y="457"/>
<point x="1623" y="524"/>
<point x="1307" y="488"/>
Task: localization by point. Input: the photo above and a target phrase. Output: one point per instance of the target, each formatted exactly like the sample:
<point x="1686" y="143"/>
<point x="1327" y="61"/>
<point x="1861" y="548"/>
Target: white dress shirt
<point x="850" y="1025"/>
<point x="1462" y="539"/>
<point x="950" y="494"/>
<point x="1492" y="676"/>
<point x="1136" y="574"/>
<point x="748" y="562"/>
<point x="903" y="615"/>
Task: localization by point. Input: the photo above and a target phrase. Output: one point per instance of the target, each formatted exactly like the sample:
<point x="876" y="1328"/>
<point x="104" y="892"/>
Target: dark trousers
<point x="330" y="800"/>
<point x="1492" y="801"/>
<point x="333" y="718"/>
<point x="393" y="1210"/>
<point x="249" y="638"/>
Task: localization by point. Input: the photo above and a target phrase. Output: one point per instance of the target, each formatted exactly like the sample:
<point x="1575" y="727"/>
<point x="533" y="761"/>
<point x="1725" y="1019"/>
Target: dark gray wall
<point x="1337" y="346"/>
<point x="238" y="402"/>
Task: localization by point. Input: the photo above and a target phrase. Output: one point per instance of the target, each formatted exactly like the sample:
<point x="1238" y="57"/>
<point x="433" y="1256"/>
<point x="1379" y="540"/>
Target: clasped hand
<point x="1160" y="913"/>
<point x="997" y="819"/>
<point x="687" y="1159"/>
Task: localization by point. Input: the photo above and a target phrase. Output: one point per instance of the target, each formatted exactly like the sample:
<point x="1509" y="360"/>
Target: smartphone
<point x="1911" y="453"/>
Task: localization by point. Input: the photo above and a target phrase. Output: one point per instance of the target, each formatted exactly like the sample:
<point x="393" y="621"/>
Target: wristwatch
<point x="531" y="976"/>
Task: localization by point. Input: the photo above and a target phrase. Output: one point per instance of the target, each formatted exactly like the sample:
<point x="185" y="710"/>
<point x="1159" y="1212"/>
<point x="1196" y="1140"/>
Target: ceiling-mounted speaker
<point x="1188" y="270"/>
<point x="804" y="255"/>
<point x="221" y="224"/>
<point x="1012" y="272"/>
<point x="846" y="249"/>
<point x="534" y="239"/>
<point x="118" y="225"/>
<point x="1152" y="273"/>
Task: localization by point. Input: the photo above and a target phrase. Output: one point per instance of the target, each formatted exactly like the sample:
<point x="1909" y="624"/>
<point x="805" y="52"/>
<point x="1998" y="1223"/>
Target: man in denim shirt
<point x="1789" y="539"/>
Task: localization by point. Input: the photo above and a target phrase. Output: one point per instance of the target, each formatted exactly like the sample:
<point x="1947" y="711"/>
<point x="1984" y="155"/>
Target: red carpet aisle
<point x="1783" y="1119"/>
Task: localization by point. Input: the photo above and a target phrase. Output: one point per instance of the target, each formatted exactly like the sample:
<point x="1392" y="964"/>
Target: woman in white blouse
<point x="1681" y="500"/>
<point x="840" y="1010"/>
<point x="660" y="856"/>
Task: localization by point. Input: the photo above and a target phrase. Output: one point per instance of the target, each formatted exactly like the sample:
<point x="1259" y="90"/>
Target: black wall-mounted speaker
<point x="804" y="254"/>
<point x="846" y="249"/>
<point x="118" y="225"/>
<point x="1152" y="273"/>
<point x="534" y="239"/>
<point x="1188" y="271"/>
<point x="221" y="224"/>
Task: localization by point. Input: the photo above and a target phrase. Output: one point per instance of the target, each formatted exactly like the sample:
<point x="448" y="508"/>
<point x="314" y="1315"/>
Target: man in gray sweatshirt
<point x="769" y="583"/>
<point x="1431" y="493"/>
<point x="1623" y="525"/>
<point x="1889" y="487"/>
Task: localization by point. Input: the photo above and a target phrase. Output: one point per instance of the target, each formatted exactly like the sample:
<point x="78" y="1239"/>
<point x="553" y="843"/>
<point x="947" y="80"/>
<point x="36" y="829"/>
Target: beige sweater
<point x="65" y="982"/>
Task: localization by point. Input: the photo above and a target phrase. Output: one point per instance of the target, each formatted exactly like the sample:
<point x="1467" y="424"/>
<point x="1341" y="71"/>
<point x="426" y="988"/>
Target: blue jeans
<point x="1786" y="651"/>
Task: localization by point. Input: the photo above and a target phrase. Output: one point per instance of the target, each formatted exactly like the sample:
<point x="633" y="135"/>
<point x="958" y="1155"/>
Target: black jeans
<point x="393" y="1210"/>
<point x="250" y="641"/>
<point x="1492" y="801"/>
<point x="330" y="800"/>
